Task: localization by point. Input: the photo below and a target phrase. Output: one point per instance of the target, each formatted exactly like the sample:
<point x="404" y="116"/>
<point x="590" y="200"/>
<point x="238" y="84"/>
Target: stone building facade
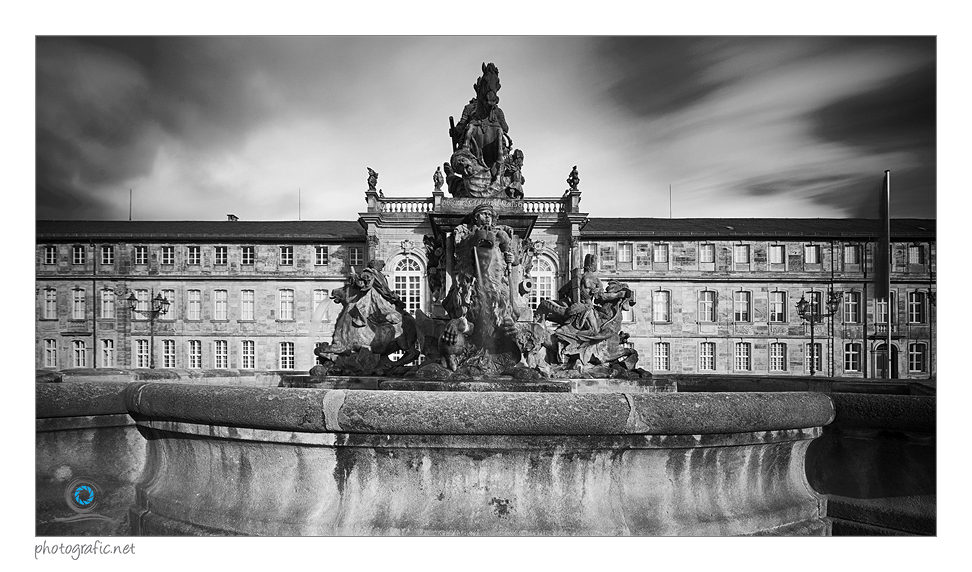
<point x="712" y="295"/>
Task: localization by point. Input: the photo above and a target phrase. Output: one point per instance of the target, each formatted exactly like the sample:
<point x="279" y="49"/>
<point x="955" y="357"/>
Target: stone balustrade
<point x="405" y="205"/>
<point x="543" y="205"/>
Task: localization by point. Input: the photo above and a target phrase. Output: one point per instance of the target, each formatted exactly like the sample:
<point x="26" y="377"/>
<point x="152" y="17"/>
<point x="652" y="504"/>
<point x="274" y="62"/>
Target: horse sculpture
<point x="369" y="320"/>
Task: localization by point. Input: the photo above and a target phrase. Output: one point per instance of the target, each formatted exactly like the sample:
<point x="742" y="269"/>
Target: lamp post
<point x="811" y="313"/>
<point x="158" y="307"/>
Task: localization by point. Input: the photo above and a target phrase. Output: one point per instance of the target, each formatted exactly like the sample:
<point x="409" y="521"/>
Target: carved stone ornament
<point x="407" y="245"/>
<point x="372" y="180"/>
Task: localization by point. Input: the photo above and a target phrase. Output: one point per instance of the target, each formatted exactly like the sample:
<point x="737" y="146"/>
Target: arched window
<point x="408" y="283"/>
<point x="544" y="281"/>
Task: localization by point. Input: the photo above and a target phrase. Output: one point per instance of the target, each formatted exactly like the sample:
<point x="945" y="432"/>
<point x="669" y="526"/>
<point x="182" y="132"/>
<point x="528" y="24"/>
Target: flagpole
<point x="887" y="239"/>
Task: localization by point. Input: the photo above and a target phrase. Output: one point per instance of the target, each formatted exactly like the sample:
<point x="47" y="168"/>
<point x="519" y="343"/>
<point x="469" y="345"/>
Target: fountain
<point x="484" y="418"/>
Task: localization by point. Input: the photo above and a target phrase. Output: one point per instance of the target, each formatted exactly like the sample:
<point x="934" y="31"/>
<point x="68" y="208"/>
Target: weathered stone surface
<point x="701" y="413"/>
<point x="483" y="413"/>
<point x="914" y="515"/>
<point x="497" y="385"/>
<point x="297" y="409"/>
<point x="902" y="412"/>
<point x="79" y="398"/>
<point x="478" y="485"/>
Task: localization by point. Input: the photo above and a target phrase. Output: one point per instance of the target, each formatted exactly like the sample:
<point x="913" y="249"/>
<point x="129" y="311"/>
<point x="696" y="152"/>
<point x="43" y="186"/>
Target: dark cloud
<point x="657" y="75"/>
<point x="777" y="185"/>
<point x="898" y="116"/>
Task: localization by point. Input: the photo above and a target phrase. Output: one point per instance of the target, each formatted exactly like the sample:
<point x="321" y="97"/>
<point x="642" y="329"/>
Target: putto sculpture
<point x="479" y="260"/>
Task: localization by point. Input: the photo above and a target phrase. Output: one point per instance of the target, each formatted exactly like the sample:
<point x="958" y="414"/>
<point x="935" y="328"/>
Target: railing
<point x="411" y="205"/>
<point x="882" y="329"/>
<point x="545" y="205"/>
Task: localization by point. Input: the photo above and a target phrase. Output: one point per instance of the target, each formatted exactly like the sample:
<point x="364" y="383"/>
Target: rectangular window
<point x="142" y="306"/>
<point x="607" y="257"/>
<point x="50" y="304"/>
<point x="660" y="254"/>
<point x="707" y="356"/>
<point x="107" y="353"/>
<point x="777" y="254"/>
<point x="286" y="355"/>
<point x="247" y="354"/>
<point x="286" y="256"/>
<point x="286" y="305"/>
<point x="247" y="255"/>
<point x="219" y="305"/>
<point x="852" y="357"/>
<point x="707" y="253"/>
<point x="815" y="353"/>
<point x="355" y="256"/>
<point x="643" y="256"/>
<point x="168" y="255"/>
<point x="320" y="256"/>
<point x="195" y="354"/>
<point x="409" y="287"/>
<point x="77" y="304"/>
<point x="141" y="353"/>
<point x="80" y="353"/>
<point x="108" y="304"/>
<point x="107" y="255"/>
<point x="221" y="354"/>
<point x="661" y="306"/>
<point x="193" y="255"/>
<point x="78" y="255"/>
<point x="193" y="305"/>
<point x="168" y="353"/>
<point x="811" y="254"/>
<point x="881" y="310"/>
<point x="247" y="303"/>
<point x="662" y="362"/>
<point x="743" y="356"/>
<point x="852" y="254"/>
<point x="627" y="315"/>
<point x="916" y="307"/>
<point x="777" y="306"/>
<point x="170" y="312"/>
<point x="852" y="307"/>
<point x="586" y="249"/>
<point x="50" y="255"/>
<point x="742" y="307"/>
<point x="740" y="254"/>
<point x="916" y="358"/>
<point x="815" y="299"/>
<point x="221" y="255"/>
<point x="916" y="255"/>
<point x="625" y="252"/>
<point x="777" y="356"/>
<point x="50" y="353"/>
<point x="707" y="306"/>
<point x="320" y="297"/>
<point x="141" y="255"/>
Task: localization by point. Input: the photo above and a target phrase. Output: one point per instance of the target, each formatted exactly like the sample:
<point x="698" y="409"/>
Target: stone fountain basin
<point x="282" y="461"/>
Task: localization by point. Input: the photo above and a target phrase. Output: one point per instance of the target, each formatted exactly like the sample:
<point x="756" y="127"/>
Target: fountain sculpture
<point x="480" y="258"/>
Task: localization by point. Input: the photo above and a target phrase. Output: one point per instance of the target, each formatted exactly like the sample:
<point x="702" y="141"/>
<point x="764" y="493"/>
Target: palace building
<point x="712" y="295"/>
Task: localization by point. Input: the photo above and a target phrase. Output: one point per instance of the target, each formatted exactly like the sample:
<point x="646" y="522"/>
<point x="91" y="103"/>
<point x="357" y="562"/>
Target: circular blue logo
<point x="83" y="495"/>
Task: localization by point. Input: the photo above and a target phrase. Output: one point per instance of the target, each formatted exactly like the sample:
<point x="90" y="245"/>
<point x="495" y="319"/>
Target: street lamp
<point x="159" y="306"/>
<point x="811" y="313"/>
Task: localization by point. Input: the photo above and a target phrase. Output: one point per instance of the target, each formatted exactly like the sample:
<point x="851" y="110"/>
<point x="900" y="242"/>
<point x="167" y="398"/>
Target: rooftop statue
<point x="482" y="163"/>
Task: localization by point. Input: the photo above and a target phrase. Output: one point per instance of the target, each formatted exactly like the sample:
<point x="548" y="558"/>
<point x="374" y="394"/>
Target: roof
<point x="315" y="230"/>
<point x="841" y="228"/>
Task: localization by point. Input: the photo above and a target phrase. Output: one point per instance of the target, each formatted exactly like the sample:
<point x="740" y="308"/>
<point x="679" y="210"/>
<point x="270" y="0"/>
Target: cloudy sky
<point x="199" y="127"/>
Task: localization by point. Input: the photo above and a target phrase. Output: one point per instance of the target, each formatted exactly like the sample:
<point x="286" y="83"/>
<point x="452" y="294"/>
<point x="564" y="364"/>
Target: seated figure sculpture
<point x="589" y="319"/>
<point x="481" y="163"/>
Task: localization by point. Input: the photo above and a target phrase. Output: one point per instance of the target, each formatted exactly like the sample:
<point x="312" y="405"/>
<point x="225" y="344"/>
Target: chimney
<point x="232" y="217"/>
